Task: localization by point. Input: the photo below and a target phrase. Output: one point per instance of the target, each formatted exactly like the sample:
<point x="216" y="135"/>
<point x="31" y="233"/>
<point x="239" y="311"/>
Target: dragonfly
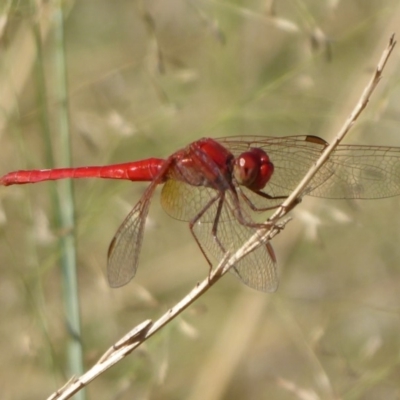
<point x="219" y="185"/>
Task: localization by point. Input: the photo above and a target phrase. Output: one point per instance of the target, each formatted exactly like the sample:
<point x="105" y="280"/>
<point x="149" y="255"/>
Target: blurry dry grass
<point x="145" y="79"/>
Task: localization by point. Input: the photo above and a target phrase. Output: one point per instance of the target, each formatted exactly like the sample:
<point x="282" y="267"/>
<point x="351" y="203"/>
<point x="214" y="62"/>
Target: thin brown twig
<point x="146" y="329"/>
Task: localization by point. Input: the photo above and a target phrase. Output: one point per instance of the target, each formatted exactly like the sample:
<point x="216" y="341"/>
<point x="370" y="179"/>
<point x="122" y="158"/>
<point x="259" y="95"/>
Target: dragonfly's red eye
<point x="253" y="169"/>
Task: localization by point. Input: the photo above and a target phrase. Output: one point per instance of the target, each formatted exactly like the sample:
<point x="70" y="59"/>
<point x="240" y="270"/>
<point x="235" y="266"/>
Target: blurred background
<point x="145" y="78"/>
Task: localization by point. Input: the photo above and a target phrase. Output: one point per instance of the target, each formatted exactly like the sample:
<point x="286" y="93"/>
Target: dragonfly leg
<point x="196" y="219"/>
<point x="242" y="219"/>
<point x="253" y="207"/>
<point x="214" y="229"/>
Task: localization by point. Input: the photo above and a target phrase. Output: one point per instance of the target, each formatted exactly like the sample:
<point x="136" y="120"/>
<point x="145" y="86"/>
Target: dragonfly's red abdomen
<point x="145" y="170"/>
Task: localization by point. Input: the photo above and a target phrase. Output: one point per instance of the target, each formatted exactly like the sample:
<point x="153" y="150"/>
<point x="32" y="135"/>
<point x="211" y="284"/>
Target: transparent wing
<point x="124" y="250"/>
<point x="183" y="201"/>
<point x="352" y="171"/>
<point x="362" y="172"/>
<point x="258" y="269"/>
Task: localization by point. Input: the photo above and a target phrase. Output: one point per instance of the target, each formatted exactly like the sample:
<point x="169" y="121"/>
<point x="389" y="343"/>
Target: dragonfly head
<point x="253" y="169"/>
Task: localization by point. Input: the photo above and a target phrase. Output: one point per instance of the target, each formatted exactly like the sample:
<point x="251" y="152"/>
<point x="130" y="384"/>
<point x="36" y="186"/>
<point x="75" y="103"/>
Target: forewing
<point x="362" y="172"/>
<point x="124" y="250"/>
<point x="352" y="171"/>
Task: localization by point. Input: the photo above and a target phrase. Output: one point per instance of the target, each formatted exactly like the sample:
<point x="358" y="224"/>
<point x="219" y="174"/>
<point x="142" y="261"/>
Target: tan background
<point x="332" y="330"/>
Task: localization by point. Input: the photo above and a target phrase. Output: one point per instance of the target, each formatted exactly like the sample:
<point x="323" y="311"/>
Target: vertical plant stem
<point x="37" y="298"/>
<point x="66" y="204"/>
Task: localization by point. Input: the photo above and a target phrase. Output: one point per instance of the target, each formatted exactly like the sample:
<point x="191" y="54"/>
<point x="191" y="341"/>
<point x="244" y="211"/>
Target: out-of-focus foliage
<point x="145" y="78"/>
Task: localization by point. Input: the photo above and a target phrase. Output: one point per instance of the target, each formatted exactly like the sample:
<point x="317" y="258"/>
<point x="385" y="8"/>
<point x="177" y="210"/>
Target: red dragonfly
<point x="218" y="184"/>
